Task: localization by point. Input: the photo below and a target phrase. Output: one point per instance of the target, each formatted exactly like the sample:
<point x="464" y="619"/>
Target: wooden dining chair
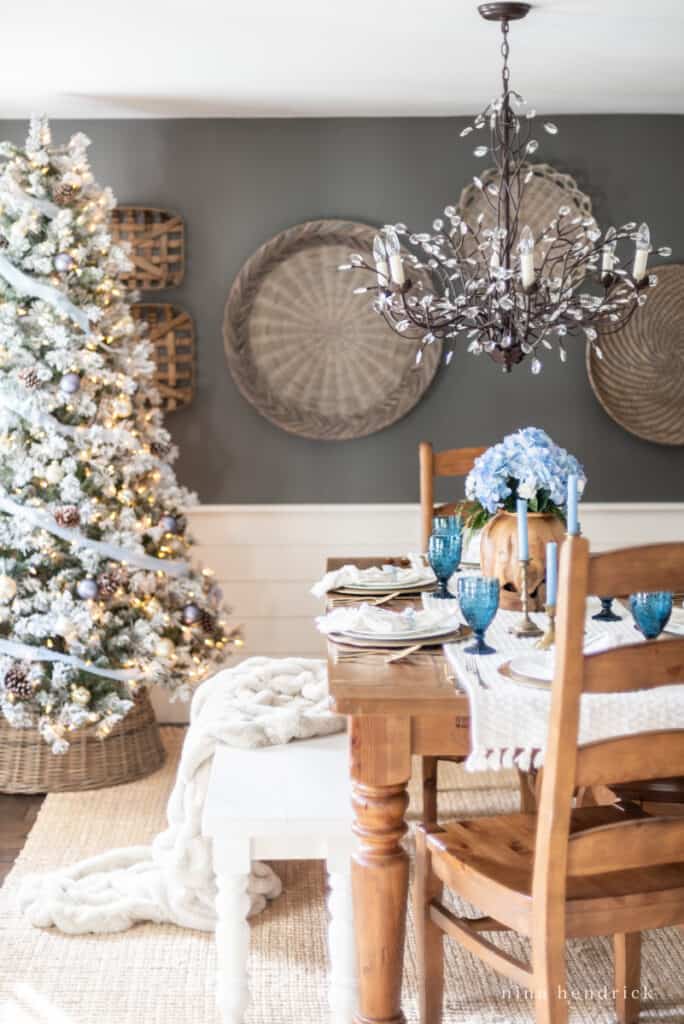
<point x="452" y="462"/>
<point x="605" y="870"/>
<point x="652" y="794"/>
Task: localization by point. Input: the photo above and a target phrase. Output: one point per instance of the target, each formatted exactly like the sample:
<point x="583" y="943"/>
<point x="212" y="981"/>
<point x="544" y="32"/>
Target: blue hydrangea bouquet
<point x="527" y="464"/>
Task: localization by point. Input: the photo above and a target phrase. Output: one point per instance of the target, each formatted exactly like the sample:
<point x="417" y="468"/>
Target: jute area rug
<point x="165" y="975"/>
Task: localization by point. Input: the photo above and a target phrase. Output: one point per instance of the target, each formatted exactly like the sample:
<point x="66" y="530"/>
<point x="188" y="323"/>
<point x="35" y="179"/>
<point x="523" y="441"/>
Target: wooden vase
<point x="499" y="555"/>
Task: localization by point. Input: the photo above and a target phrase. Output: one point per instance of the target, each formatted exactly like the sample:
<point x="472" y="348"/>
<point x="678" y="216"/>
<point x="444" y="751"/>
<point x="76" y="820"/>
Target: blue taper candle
<point x="551" y="571"/>
<point x="523" y="548"/>
<point x="573" y="522"/>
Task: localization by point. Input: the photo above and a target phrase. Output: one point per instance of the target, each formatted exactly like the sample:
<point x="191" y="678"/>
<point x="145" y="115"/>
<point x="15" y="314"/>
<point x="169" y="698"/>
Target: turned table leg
<point x="232" y="866"/>
<point x="381" y="766"/>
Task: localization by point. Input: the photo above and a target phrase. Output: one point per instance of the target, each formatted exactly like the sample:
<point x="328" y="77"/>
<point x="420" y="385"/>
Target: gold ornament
<point x="80" y="695"/>
<point x="122" y="406"/>
<point x="165" y="648"/>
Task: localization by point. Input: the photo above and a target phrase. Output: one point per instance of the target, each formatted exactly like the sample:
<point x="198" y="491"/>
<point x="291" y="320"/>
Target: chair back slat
<point x="624" y="845"/>
<point x="452" y="462"/>
<point x="635" y="667"/>
<point x="638" y="756"/>
<point x="648" y="755"/>
<point x="456" y="461"/>
<point x="651" y="567"/>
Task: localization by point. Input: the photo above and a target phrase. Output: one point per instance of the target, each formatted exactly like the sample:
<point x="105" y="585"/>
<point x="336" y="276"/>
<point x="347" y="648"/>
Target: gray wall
<point x="237" y="183"/>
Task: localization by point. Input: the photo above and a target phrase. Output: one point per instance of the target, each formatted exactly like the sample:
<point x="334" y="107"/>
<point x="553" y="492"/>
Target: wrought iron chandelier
<point x="501" y="289"/>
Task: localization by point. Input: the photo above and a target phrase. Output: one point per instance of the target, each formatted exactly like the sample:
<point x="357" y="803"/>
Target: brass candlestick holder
<point x="549" y="638"/>
<point x="525" y="627"/>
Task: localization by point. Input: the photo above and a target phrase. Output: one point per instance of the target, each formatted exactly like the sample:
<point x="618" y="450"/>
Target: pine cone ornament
<point x="29" y="378"/>
<point x="107" y="584"/>
<point x="17" y="683"/>
<point x="160" y="449"/>
<point x="121" y="575"/>
<point x="63" y="194"/>
<point x="207" y="622"/>
<point x="68" y="516"/>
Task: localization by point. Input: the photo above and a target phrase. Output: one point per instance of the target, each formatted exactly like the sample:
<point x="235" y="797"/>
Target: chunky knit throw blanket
<point x="259" y="702"/>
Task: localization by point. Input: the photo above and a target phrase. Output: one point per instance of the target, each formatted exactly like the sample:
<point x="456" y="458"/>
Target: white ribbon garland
<point x="78" y="539"/>
<point x="37" y="418"/>
<point x="28" y="653"/>
<point x="21" y="198"/>
<point x="27" y="411"/>
<point x="26" y="285"/>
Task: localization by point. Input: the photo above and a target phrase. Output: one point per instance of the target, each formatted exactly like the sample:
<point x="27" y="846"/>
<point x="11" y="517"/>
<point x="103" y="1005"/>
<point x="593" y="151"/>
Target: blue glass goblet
<point x="444" y="555"/>
<point x="606" y="614"/>
<point x="478" y="597"/>
<point x="651" y="611"/>
<point x="447" y="524"/>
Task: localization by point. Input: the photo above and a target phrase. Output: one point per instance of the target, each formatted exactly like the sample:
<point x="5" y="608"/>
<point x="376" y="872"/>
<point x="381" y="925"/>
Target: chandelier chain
<point x="505" y="51"/>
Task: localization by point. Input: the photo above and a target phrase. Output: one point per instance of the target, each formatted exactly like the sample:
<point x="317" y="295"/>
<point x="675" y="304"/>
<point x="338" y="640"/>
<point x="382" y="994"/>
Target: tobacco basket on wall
<point x="157" y="246"/>
<point x="172" y="333"/>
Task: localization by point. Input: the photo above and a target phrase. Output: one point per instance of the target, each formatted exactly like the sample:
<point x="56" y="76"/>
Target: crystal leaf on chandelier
<point x="503" y="290"/>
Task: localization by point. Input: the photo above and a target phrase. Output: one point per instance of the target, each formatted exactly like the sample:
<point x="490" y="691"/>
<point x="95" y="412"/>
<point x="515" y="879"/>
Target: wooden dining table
<point x="395" y="711"/>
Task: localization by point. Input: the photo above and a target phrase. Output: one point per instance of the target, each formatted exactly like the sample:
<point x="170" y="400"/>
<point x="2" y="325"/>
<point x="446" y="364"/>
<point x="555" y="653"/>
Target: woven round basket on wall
<point x="640" y="379"/>
<point x="132" y="750"/>
<point x="309" y="354"/>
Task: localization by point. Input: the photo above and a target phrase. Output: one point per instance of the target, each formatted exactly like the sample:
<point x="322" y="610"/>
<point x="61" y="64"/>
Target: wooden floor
<point x="17" y="815"/>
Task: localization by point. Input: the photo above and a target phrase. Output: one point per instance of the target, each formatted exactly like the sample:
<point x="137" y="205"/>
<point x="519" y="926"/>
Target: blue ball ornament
<point x="70" y="383"/>
<point x="191" y="613"/>
<point x="87" y="589"/>
<point x="169" y="524"/>
<point x="63" y="262"/>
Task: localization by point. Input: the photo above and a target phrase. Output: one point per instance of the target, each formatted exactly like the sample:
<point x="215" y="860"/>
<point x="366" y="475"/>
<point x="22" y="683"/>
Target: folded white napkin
<point x="351" y="575"/>
<point x="369" y="619"/>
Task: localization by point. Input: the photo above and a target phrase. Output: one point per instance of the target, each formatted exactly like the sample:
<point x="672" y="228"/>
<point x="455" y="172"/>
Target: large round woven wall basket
<point x="640" y="379"/>
<point x="132" y="750"/>
<point x="309" y="354"/>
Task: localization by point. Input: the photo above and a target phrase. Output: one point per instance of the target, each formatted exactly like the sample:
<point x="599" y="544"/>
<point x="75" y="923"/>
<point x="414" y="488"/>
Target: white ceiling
<point x="254" y="58"/>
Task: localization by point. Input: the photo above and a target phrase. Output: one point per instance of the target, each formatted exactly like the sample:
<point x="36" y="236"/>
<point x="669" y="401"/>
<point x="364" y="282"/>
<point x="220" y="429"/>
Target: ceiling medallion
<point x="505" y="290"/>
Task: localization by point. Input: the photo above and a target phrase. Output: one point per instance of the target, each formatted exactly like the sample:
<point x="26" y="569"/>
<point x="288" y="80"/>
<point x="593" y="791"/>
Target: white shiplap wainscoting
<point x="267" y="556"/>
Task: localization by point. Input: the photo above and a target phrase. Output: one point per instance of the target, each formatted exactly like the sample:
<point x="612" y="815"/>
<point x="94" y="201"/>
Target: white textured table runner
<point x="509" y="720"/>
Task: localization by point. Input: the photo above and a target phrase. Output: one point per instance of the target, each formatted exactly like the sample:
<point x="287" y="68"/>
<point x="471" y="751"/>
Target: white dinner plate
<point x="409" y="635"/>
<point x="344" y="640"/>
<point x="377" y="587"/>
<point x="535" y="665"/>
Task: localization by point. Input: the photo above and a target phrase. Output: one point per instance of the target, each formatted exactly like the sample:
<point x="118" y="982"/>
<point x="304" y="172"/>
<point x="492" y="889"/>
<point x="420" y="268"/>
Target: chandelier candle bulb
<point x="523" y="544"/>
<point x="526" y="250"/>
<point x="393" y="250"/>
<point x="643" y="247"/>
<point x="380" y="257"/>
<point x="608" y="255"/>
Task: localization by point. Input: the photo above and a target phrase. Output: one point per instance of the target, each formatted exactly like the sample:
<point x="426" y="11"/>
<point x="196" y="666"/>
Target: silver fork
<point x="473" y="667"/>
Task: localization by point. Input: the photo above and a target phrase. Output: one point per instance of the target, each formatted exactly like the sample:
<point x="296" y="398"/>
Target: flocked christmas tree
<point x="96" y="594"/>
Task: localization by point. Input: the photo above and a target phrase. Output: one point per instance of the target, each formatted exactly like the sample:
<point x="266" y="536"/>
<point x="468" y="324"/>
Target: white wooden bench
<point x="290" y="802"/>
